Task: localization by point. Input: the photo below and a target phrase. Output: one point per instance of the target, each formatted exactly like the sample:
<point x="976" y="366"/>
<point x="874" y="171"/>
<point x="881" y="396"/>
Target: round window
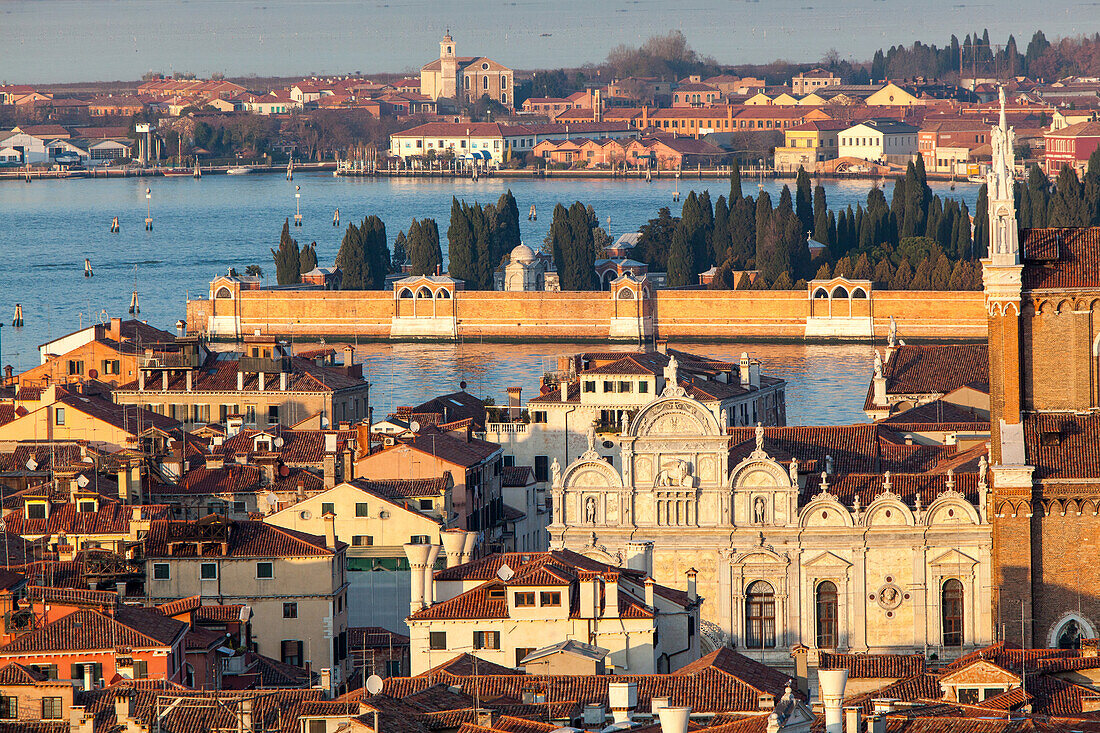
<point x="486" y="66"/>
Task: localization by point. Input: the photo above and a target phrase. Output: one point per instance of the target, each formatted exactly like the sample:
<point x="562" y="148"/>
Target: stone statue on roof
<point x="892" y="334"/>
<point x="760" y="436"/>
<point x="555" y="473"/>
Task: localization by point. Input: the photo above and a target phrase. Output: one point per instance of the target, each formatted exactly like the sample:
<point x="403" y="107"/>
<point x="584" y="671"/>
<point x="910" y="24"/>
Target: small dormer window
<point x="87" y="507"/>
<point x="36" y="510"/>
<point x="1049" y="438"/>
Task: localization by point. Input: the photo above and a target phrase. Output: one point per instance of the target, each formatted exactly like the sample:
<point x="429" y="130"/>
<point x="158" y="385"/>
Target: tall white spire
<point x="1004" y="240"/>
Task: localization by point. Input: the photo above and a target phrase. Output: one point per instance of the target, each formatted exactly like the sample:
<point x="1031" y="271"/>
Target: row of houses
<point x="56" y="145"/>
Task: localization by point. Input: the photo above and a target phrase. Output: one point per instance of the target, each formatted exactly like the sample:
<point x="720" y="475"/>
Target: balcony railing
<point x="264" y="364"/>
<point x="171" y="360"/>
<point x="506" y="428"/>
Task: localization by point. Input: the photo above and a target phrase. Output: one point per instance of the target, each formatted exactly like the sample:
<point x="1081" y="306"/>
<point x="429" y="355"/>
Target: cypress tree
<point x="833" y="233"/>
<point x="862" y="269"/>
<point x="1067" y="205"/>
<point x="703" y="256"/>
<point x="655" y="240"/>
<point x="352" y="259"/>
<point x="581" y="254"/>
<point x="823" y="272"/>
<point x="681" y="258"/>
<point x="307" y="260"/>
<point x="1092" y="189"/>
<point x="742" y="231"/>
<point x="883" y="274"/>
<point x="484" y="257"/>
<point x="402" y="245"/>
<point x="429" y="242"/>
<point x="735" y="182"/>
<point x="287" y="265"/>
<point x="377" y="253"/>
<point x="461" y="252"/>
<point x="783" y="282"/>
<point x="763" y="218"/>
<point x="1038" y="189"/>
<point x="959" y="279"/>
<point x="821" y="217"/>
<point x="508" y="221"/>
<point x="922" y="276"/>
<point x="720" y="234"/>
<point x="804" y="206"/>
<point x="903" y="276"/>
<point x="941" y="273"/>
<point x="964" y="245"/>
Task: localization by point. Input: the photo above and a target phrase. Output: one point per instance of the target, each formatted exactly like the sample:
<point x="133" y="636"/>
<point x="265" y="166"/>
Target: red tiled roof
<point x="183" y="605"/>
<point x="927" y="369"/>
<point x="246" y="539"/>
<point x="13" y="673"/>
<point x="112" y="518"/>
<point x="1061" y="258"/>
<point x="874" y="665"/>
<point x="1063" y="445"/>
<point x="517" y="476"/>
<point x="88" y="629"/>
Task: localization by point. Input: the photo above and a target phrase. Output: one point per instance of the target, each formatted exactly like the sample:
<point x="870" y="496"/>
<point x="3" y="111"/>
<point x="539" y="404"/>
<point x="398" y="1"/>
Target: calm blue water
<point x="85" y="40"/>
<point x="202" y="227"/>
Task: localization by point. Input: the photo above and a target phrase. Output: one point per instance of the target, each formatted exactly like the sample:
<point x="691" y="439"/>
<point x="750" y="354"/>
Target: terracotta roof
<point x="183" y="605"/>
<point x="88" y="629"/>
<point x="219" y="612"/>
<point x="517" y="476"/>
<point x="111" y="518"/>
<point x="911" y="688"/>
<point x="940" y="415"/>
<point x="246" y="539"/>
<point x="1061" y="258"/>
<point x="405" y="488"/>
<point x="450" y="448"/>
<point x="374" y="637"/>
<point x="874" y="665"/>
<point x="1063" y="445"/>
<point x="927" y="369"/>
<point x="231" y="479"/>
<point x="81" y="597"/>
<point x="13" y="673"/>
<point x="219" y="374"/>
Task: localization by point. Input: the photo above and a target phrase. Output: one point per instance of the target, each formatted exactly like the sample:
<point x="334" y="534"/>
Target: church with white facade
<point x="835" y="538"/>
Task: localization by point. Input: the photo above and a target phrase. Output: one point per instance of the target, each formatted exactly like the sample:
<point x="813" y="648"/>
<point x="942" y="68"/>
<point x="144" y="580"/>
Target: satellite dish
<point x="305" y="514"/>
<point x="31" y="464"/>
<point x="374" y="684"/>
<point x="414" y="426"/>
<point x="82" y="481"/>
<point x="279" y="442"/>
<point x="505" y="573"/>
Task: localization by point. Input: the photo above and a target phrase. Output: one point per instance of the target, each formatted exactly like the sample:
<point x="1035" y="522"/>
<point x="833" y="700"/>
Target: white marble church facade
<point x="784" y="547"/>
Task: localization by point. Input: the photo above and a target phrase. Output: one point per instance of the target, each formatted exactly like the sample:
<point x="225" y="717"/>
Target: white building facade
<point x="884" y="140"/>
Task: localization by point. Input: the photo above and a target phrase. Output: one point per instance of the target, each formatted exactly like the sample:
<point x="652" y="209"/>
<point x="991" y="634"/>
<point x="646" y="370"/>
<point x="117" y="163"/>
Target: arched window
<point x="952" y="612"/>
<point x="760" y="616"/>
<point x="839" y="292"/>
<point x="626" y="294"/>
<point x="442" y="294"/>
<point x="405" y="293"/>
<point x="223" y="292"/>
<point x="424" y="293"/>
<point x="1069" y="636"/>
<point x="826" y="615"/>
<point x="821" y="293"/>
<point x="859" y="293"/>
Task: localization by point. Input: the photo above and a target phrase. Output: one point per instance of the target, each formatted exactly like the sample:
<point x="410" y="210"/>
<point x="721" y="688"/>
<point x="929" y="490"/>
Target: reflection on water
<point x="827" y="384"/>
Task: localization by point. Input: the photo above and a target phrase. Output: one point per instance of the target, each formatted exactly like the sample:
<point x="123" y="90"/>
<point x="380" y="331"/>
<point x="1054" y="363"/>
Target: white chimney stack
<point x="429" y="575"/>
<point x="469" y="546"/>
<point x="853" y="719"/>
<point x="674" y="720"/>
<point x="418" y="560"/>
<point x="831" y="684"/>
<point x="453" y="542"/>
<point x="622" y="698"/>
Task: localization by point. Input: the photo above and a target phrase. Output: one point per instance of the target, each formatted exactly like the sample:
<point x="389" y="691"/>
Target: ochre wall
<point x="573" y="315"/>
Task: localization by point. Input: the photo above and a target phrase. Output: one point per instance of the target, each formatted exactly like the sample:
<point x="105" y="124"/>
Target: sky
<point x="97" y="40"/>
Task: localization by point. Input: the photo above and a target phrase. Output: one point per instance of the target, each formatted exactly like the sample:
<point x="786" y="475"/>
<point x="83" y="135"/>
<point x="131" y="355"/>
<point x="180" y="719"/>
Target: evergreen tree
<point x="307" y="259"/>
<point x="742" y="231"/>
<point x="959" y="279"/>
<point x="783" y="282"/>
<point x="401" y="245"/>
<point x="461" y="250"/>
<point x="286" y="258"/>
<point x="1038" y="190"/>
<point x="703" y="256"/>
<point x="654" y="242"/>
<point x="862" y="269"/>
<point x="735" y="182"/>
<point x="377" y="253"/>
<point x="804" y="205"/>
<point x="1067" y="205"/>
<point x="833" y="233"/>
<point x="720" y="234"/>
<point x="941" y="273"/>
<point x="725" y="277"/>
<point x="903" y="276"/>
<point x="580" y="254"/>
<point x="507" y="212"/>
<point x="352" y="259"/>
<point x="823" y="272"/>
<point x="964" y="244"/>
<point x="843" y="267"/>
<point x="763" y="217"/>
<point x="744" y="282"/>
<point x="883" y="273"/>
<point x="922" y="277"/>
<point x="485" y="261"/>
<point x="681" y="258"/>
<point x="1091" y="190"/>
<point x="821" y="218"/>
<point x="431" y="253"/>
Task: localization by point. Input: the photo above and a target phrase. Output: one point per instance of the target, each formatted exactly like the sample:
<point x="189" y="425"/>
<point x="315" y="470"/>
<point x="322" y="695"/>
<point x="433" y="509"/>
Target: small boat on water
<point x="239" y="170"/>
<point x="177" y="172"/>
<point x="976" y="179"/>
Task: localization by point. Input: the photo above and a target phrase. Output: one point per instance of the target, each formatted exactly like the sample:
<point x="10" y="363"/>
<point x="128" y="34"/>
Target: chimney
<point x="123" y="478"/>
<point x="240" y="380"/>
<point x="639" y="556"/>
<point x="122" y="706"/>
<point x="115" y="330"/>
<point x="611" y="595"/>
<point x="674" y="720"/>
<point x="326" y="684"/>
<point x="1090" y="703"/>
<point x="565" y="391"/>
<point x="76" y="718"/>
<point x="692" y="574"/>
<point x="801" y="654"/>
<point x="233" y="425"/>
<point x="469" y="546"/>
<point x="853" y="717"/>
<point x="181" y="328"/>
<point x="831" y="685"/>
<point x="650" y="591"/>
<point x="657" y="703"/>
<point x="884" y="704"/>
<point x="453" y="541"/>
<point x="588" y="582"/>
<point x="260" y="381"/>
<point x="754" y="373"/>
<point x="329" y="460"/>
<point x="622" y="698"/>
<point x="662" y="346"/>
<point x="878" y="724"/>
<point x="515" y="404"/>
<point x="418" y="560"/>
<point x="330" y="531"/>
<point x="282" y="381"/>
<point x="89" y="683"/>
<point x="743" y="369"/>
<point x="120" y="588"/>
<point x="429" y="575"/>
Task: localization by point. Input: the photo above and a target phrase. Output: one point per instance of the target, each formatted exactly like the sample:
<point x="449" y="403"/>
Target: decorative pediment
<point x="674" y="416"/>
<point x="591" y="473"/>
<point x="981" y="672"/>
<point x="953" y="560"/>
<point x="827" y="560"/>
<point x="757" y="472"/>
<point x="761" y="555"/>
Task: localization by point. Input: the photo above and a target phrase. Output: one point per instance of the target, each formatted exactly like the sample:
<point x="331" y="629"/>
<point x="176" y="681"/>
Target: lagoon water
<point x="201" y="227"/>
